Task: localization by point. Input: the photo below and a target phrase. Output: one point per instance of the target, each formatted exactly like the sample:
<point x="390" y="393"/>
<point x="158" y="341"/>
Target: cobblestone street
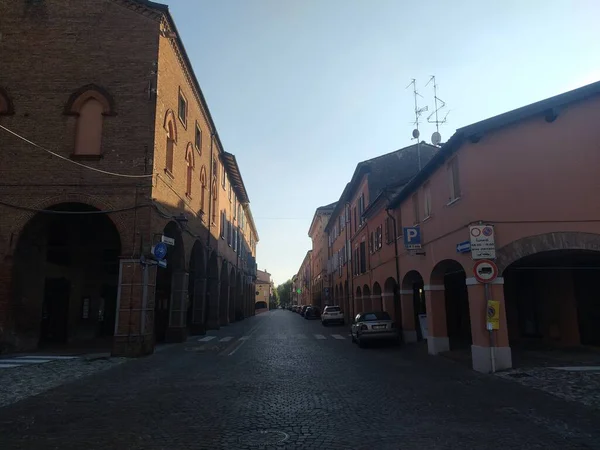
<point x="279" y="381"/>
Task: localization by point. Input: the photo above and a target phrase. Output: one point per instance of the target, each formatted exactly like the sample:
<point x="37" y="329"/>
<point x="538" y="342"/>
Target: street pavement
<point x="279" y="381"/>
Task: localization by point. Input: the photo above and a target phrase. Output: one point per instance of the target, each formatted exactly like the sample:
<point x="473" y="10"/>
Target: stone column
<point x="358" y="306"/>
<point x="408" y="315"/>
<point x="376" y="303"/>
<point x="480" y="349"/>
<point x="224" y="304"/>
<point x="177" y="330"/>
<point x="198" y="319"/>
<point x="134" y="321"/>
<point x="232" y="303"/>
<point x="437" y="330"/>
<point x="213" y="293"/>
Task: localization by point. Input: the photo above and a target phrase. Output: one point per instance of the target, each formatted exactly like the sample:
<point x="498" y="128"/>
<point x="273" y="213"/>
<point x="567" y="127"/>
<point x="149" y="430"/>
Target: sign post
<point x="486" y="272"/>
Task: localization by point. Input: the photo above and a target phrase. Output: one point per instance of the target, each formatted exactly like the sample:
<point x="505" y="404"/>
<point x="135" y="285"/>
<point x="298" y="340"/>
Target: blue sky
<point x="302" y="90"/>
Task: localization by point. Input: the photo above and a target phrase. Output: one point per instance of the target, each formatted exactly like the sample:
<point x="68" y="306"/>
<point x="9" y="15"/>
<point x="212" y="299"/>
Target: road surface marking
<point x="320" y="336"/>
<point x="338" y="336"/>
<point x="6" y="366"/>
<point x="226" y="339"/>
<point x="243" y="338"/>
<point x="29" y="361"/>
<point x="206" y="339"/>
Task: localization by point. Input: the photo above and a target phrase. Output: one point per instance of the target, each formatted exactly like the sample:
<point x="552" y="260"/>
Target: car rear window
<point x="333" y="309"/>
<point x="379" y="315"/>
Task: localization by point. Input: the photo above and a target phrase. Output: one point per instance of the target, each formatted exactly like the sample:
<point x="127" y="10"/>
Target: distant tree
<point x="285" y="293"/>
<point x="274" y="300"/>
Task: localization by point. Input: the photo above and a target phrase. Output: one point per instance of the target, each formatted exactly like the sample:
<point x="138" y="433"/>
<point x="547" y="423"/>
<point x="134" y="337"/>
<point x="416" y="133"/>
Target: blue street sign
<point x="463" y="247"/>
<point x="412" y="238"/>
<point x="159" y="251"/>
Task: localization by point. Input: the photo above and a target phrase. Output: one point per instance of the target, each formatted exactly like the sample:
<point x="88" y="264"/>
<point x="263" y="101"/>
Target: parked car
<point x="332" y="314"/>
<point x="374" y="326"/>
<point x="312" y="312"/>
<point x="303" y="310"/>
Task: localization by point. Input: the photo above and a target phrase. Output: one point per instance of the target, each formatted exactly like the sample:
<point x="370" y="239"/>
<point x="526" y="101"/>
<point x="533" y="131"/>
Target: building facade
<point x="303" y="280"/>
<point x="526" y="176"/>
<point x="125" y="158"/>
<point x="352" y="241"/>
<point x="320" y="283"/>
<point x="264" y="287"/>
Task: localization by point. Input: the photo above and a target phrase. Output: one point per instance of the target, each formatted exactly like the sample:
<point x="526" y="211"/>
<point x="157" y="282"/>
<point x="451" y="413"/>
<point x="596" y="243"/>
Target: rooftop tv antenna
<point x="436" y="137"/>
<point x="418" y="112"/>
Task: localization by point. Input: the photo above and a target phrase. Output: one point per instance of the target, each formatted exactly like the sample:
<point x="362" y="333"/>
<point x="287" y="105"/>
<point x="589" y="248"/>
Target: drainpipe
<point x="350" y="292"/>
<point x="210" y="192"/>
<point x="387" y="210"/>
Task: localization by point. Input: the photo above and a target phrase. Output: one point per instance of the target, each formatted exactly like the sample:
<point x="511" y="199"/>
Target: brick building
<point x="263" y="292"/>
<point x="136" y="157"/>
<point x="320" y="283"/>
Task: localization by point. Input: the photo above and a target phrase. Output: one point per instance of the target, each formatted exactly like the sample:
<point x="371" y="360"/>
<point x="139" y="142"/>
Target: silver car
<point x="374" y="326"/>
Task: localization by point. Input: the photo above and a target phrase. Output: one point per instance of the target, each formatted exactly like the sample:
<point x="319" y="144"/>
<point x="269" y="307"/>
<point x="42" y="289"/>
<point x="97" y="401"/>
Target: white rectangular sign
<point x="483" y="243"/>
<point x="168" y="240"/>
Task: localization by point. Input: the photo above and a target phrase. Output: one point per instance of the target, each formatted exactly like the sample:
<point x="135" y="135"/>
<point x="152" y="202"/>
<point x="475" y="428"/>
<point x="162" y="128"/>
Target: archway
<point x="196" y="290"/>
<point x="367" y="302"/>
<point x="377" y="300"/>
<point x="450" y="275"/>
<point x="349" y="307"/>
<point x="358" y="306"/>
<point x="66" y="272"/>
<point x="167" y="313"/>
<point x="551" y="299"/>
<point x="232" y="295"/>
<point x="414" y="305"/>
<point x="224" y="295"/>
<point x="211" y="304"/>
<point x="239" y="297"/>
<point x="390" y="300"/>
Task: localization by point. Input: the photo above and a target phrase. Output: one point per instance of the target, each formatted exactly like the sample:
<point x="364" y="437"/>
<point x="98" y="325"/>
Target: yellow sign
<point x="493" y="315"/>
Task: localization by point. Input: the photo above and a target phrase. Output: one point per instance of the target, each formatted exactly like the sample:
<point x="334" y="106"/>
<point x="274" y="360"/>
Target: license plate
<point x="378" y="327"/>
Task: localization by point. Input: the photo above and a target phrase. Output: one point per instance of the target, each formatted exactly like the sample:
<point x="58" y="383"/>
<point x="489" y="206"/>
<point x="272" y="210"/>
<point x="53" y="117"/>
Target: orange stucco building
<point x="527" y="175"/>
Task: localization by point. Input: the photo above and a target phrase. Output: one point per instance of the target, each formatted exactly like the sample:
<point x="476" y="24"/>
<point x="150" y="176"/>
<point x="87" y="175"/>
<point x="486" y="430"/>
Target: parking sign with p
<point x="412" y="238"/>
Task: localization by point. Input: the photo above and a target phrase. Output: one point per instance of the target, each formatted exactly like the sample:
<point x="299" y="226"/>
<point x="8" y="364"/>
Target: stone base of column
<point x="410" y="336"/>
<point x="176" y="334"/>
<point x="437" y="345"/>
<point x="212" y="324"/>
<point x="197" y="329"/>
<point x="133" y="346"/>
<point x="224" y="322"/>
<point x="482" y="361"/>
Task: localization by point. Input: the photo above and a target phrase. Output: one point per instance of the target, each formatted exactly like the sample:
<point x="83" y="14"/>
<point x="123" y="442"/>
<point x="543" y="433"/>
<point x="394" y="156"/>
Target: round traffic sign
<point x="159" y="251"/>
<point x="485" y="271"/>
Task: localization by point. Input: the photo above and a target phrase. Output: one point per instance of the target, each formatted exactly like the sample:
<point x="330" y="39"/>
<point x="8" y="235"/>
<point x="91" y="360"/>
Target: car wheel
<point x="353" y="339"/>
<point x="323" y="323"/>
<point x="343" y="323"/>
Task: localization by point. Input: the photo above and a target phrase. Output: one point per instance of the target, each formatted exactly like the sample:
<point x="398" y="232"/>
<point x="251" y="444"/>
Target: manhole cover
<point x="263" y="437"/>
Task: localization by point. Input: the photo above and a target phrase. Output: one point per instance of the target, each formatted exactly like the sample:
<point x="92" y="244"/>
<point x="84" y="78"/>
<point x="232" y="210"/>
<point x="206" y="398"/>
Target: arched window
<point x="214" y="201"/>
<point x="189" y="161"/>
<point x="203" y="188"/>
<point x="6" y="106"/>
<point x="90" y="104"/>
<point x="170" y="127"/>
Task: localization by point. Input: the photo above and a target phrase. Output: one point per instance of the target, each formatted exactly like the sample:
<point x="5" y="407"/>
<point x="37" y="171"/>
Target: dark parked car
<point x="303" y="310"/>
<point x="312" y="312"/>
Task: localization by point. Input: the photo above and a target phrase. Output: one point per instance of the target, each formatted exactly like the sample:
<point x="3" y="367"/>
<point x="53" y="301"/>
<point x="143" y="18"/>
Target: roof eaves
<point x="235" y="176"/>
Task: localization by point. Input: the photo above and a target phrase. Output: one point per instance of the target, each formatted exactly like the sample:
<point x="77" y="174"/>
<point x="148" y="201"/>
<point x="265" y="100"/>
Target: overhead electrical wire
<point x="52" y="211"/>
<point x="74" y="162"/>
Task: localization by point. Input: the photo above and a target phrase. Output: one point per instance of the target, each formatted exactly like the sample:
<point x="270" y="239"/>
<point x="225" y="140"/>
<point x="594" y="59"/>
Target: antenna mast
<point x="436" y="137"/>
<point x="418" y="112"/>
